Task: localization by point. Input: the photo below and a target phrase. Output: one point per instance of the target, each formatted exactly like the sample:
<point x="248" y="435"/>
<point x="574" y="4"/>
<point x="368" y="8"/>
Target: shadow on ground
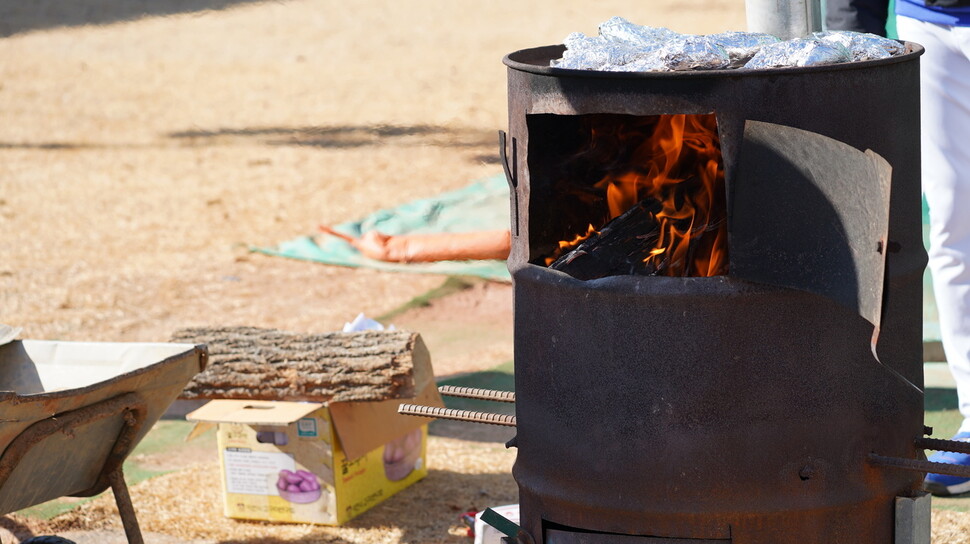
<point x="337" y="137"/>
<point x="341" y="137"/>
<point x="17" y="528"/>
<point x="18" y="16"/>
<point x="940" y="399"/>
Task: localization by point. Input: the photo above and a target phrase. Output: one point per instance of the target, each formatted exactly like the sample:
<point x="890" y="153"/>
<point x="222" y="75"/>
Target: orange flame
<point x="566" y="245"/>
<point x="677" y="163"/>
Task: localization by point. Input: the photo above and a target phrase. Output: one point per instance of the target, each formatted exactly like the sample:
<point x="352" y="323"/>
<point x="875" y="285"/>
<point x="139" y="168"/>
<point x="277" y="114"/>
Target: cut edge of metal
<point x="200" y="350"/>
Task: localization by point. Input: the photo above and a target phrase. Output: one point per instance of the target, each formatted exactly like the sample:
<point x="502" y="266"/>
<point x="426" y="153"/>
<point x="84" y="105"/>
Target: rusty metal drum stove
<point x="747" y="407"/>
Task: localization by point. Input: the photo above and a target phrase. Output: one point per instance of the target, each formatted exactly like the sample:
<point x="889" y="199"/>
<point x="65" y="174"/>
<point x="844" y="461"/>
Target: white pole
<point x="785" y="19"/>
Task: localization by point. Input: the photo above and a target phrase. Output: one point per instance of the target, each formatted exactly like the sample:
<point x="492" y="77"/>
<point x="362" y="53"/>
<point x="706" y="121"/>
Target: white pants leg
<point x="945" y="139"/>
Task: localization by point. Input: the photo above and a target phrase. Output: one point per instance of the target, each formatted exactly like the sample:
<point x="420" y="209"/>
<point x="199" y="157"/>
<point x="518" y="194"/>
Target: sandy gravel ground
<point x="138" y="159"/>
<point x="145" y="143"/>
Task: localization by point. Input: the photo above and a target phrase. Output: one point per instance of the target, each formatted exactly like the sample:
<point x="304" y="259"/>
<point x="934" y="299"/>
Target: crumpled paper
<point x="364" y="323"/>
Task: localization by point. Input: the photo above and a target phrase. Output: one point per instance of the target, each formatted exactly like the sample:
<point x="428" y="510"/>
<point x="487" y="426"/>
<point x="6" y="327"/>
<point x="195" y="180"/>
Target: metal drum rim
<point x="549" y="52"/>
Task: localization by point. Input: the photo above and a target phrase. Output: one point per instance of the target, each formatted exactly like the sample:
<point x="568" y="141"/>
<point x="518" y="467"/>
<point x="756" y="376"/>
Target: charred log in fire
<point x="617" y="249"/>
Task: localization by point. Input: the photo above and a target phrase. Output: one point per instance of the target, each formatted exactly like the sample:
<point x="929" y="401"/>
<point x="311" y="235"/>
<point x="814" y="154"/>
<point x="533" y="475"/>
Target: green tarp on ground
<point x="483" y="205"/>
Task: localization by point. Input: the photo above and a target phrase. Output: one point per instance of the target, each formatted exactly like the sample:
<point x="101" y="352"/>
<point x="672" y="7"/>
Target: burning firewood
<point x="423" y="248"/>
<point x="618" y="248"/>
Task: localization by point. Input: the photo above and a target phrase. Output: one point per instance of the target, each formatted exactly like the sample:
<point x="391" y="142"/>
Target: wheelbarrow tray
<point x="70" y="412"/>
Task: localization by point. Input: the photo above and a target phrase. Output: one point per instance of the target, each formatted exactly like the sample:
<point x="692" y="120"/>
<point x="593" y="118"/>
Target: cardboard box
<point x="308" y="462"/>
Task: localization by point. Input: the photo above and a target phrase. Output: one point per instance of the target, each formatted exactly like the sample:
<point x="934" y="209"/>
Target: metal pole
<point x="125" y="508"/>
<point x="785" y="19"/>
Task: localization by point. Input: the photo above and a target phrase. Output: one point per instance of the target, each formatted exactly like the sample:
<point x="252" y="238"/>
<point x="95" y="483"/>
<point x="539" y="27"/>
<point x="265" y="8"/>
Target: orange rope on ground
<point x="424" y="248"/>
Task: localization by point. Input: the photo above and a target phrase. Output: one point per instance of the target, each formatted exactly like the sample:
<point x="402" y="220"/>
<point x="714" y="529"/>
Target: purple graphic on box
<point x="401" y="455"/>
<point x="300" y="487"/>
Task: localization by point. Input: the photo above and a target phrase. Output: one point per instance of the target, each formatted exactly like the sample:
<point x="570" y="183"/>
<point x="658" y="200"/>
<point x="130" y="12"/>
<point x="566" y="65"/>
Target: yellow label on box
<point x="368" y="480"/>
<point x="299" y="473"/>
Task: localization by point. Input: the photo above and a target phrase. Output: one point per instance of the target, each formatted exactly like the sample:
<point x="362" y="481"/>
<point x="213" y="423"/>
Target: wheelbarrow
<point x="71" y="412"/>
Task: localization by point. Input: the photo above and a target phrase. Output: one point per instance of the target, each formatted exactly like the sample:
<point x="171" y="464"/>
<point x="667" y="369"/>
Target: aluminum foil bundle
<point x="863" y="46"/>
<point x="693" y="53"/>
<point x="596" y="53"/>
<point x="649" y="63"/>
<point x="799" y="52"/>
<point x="624" y="46"/>
<point x="618" y="29"/>
<point x="680" y="53"/>
<point x="742" y="46"/>
<point x="582" y="53"/>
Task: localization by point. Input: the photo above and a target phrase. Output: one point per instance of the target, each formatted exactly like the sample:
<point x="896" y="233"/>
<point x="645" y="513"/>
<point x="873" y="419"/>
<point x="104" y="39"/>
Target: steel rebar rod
<point x="937" y="444"/>
<point x="475" y="393"/>
<point x="918" y="465"/>
<point x="459" y="415"/>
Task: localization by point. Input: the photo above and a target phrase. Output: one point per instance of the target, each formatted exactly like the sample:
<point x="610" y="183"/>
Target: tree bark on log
<point x="268" y="364"/>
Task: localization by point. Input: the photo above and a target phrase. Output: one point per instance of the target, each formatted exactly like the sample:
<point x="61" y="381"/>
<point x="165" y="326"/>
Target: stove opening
<point x="627" y="195"/>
